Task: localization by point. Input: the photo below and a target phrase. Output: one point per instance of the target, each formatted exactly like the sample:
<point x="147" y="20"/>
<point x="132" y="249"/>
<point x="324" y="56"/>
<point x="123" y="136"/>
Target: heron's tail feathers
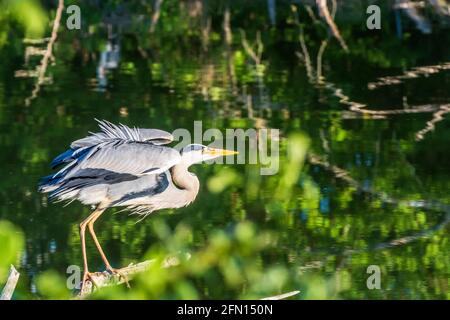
<point x="56" y="184"/>
<point x="59" y="189"/>
<point x="48" y="183"/>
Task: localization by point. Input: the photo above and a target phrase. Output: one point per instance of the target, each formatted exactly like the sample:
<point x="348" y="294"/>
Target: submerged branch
<point x="256" y="56"/>
<point x="227" y="28"/>
<point x="410" y="74"/>
<point x="413" y="13"/>
<point x="345" y="176"/>
<point x="441" y="7"/>
<point x="438" y="116"/>
<point x="155" y="16"/>
<point x="47" y="55"/>
<point x="322" y="49"/>
<point x="305" y="56"/>
<point x="316" y="77"/>
<point x="323" y="9"/>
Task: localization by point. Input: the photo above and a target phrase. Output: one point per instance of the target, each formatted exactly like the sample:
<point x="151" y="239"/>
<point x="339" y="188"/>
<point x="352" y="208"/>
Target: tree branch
<point x="47" y="55"/>
<point x="105" y="279"/>
<point x="10" y="285"/>
<point x="282" y="296"/>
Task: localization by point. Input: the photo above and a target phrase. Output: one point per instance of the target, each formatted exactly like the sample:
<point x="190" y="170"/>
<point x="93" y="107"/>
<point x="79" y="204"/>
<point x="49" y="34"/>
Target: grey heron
<point x="125" y="167"/>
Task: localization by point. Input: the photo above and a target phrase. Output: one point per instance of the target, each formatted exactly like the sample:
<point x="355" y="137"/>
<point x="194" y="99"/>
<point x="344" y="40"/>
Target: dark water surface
<point x="390" y="180"/>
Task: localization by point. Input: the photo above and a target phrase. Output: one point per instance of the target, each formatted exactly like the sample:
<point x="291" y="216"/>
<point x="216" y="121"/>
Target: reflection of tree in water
<point x="316" y="77"/>
<point x="47" y="55"/>
<point x="109" y="58"/>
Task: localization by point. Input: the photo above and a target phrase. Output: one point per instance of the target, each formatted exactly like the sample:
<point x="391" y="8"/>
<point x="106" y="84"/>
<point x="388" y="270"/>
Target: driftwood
<point x="10" y="285"/>
<point x="105" y="279"/>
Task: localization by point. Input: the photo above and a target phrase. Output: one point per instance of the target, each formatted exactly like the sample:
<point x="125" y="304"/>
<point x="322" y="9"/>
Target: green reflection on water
<point x="325" y="230"/>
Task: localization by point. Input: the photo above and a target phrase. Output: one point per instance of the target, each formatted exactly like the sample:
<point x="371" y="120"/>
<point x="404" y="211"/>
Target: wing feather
<point x="133" y="157"/>
<point x="110" y="131"/>
<point x="113" y="156"/>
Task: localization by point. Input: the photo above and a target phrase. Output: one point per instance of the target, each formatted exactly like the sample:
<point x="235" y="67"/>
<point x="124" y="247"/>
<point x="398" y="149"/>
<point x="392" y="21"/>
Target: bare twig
<point x="437" y="117"/>
<point x="156" y="14"/>
<point x="305" y="56"/>
<point x="413" y="13"/>
<point x="47" y="55"/>
<point x="256" y="56"/>
<point x="10" y="285"/>
<point x="317" y="77"/>
<point x="322" y="48"/>
<point x="362" y="108"/>
<point x="228" y="52"/>
<point x="441" y="7"/>
<point x="282" y="296"/>
<point x="311" y="14"/>
<point x="414" y="73"/>
<point x="227" y="28"/>
<point x="314" y="76"/>
<point x="35" y="41"/>
<point x="323" y="9"/>
<point x="409" y="4"/>
<point x="206" y="30"/>
<point x="344" y="175"/>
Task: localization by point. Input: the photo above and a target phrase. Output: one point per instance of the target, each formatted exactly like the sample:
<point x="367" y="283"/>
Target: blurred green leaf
<point x="12" y="242"/>
<point x="51" y="285"/>
<point x="29" y="13"/>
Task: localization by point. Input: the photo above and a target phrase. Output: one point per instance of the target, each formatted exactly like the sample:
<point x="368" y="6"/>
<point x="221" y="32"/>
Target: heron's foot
<point x="120" y="274"/>
<point x="88" y="276"/>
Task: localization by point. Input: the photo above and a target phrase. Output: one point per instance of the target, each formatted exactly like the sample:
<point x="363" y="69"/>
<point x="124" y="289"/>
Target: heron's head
<point x="196" y="153"/>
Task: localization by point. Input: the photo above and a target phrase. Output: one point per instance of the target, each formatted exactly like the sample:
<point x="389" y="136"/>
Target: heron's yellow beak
<point x="220" y="152"/>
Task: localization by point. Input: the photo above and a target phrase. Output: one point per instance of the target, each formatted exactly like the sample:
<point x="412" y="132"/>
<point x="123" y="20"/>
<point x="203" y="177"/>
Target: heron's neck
<point x="186" y="181"/>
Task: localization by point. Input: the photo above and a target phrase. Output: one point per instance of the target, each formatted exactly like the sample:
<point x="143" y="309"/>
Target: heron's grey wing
<point x="134" y="158"/>
<point x="111" y="131"/>
<point x="89" y="141"/>
<point x="155" y="136"/>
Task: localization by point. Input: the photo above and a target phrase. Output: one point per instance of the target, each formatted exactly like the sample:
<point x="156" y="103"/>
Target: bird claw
<point x="120" y="274"/>
<point x="88" y="276"/>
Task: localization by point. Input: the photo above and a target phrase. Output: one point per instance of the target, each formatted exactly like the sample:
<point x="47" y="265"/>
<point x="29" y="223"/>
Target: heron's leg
<point x="90" y="225"/>
<point x="86" y="274"/>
